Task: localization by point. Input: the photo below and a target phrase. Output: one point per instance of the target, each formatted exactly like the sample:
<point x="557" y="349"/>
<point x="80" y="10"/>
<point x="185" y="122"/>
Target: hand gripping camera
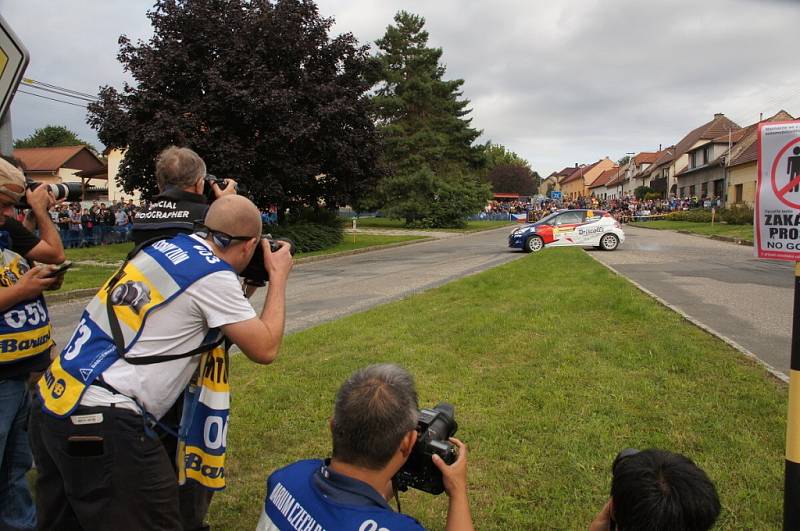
<point x="435" y="427"/>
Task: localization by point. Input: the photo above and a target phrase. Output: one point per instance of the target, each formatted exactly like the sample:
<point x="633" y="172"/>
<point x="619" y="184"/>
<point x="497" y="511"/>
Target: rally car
<point x="569" y="227"/>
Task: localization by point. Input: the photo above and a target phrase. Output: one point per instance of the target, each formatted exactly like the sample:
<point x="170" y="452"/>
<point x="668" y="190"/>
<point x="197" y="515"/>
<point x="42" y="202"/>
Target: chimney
<point x="659" y="147"/>
<point x="576" y="164"/>
<point x="718" y="115"/>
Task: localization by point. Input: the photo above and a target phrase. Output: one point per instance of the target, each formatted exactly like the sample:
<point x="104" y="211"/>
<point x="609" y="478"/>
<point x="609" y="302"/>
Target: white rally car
<point x="585" y="228"/>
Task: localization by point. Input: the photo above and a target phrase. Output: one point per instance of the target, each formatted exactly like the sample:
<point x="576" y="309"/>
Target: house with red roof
<point x="577" y="184"/>
<point x="65" y="164"/>
<point x="599" y="188"/>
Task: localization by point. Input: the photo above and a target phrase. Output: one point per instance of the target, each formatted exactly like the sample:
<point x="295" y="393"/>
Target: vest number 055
<point x="31" y="314"/>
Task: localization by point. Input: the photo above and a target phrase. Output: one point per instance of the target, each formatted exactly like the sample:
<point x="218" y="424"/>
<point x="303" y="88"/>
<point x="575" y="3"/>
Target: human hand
<point x="454" y="477"/>
<point x="230" y="188"/>
<point x="58" y="281"/>
<point x="40" y="199"/>
<point x="34" y="282"/>
<point x="602" y="522"/>
<point x="279" y="263"/>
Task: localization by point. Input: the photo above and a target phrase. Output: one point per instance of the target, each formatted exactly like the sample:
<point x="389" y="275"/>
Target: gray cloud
<point x="557" y="82"/>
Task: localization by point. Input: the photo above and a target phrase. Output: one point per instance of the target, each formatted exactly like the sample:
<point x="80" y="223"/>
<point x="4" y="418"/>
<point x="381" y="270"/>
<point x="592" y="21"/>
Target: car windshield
<point x="548" y="220"/>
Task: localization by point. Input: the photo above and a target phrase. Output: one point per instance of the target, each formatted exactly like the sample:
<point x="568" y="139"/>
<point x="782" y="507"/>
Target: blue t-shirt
<point x="307" y="495"/>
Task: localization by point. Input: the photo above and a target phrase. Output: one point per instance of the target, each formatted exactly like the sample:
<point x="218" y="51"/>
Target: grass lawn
<point x="111" y="254"/>
<point x="82" y="276"/>
<point x="553" y="364"/>
<point x="361" y="241"/>
<point x="744" y="232"/>
<point x="389" y="223"/>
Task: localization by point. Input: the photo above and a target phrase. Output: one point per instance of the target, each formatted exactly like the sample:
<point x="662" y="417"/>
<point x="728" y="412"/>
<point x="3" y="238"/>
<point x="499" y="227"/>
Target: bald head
<point x="234" y="215"/>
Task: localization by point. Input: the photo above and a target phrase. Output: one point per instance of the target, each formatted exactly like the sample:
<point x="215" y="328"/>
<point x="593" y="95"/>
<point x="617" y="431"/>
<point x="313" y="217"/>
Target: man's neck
<point x="377" y="479"/>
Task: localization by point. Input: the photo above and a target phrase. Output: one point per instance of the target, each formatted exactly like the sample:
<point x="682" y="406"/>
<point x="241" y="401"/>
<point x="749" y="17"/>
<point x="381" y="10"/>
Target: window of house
<point x="738" y="193"/>
<point x="683" y="191"/>
<point x="692" y="191"/>
<point x="706" y="154"/>
<point x="704" y="189"/>
<point x="693" y="159"/>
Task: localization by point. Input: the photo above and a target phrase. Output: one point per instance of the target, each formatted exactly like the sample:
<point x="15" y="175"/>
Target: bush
<point x="641" y="192"/>
<point x="310" y="236"/>
<point x="697" y="215"/>
<point x="738" y="215"/>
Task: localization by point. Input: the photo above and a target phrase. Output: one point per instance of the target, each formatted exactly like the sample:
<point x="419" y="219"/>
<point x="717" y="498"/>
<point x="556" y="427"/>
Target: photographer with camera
<point x="156" y="325"/>
<point x="656" y="490"/>
<point x="24" y="333"/>
<point x="181" y="201"/>
<point x="376" y="430"/>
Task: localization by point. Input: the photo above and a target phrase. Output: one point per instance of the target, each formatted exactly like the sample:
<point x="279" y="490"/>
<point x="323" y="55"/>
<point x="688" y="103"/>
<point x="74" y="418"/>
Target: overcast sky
<point x="557" y="82"/>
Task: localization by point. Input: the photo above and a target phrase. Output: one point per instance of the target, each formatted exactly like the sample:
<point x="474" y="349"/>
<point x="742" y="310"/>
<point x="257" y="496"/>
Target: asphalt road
<point x="720" y="284"/>
<point x="329" y="289"/>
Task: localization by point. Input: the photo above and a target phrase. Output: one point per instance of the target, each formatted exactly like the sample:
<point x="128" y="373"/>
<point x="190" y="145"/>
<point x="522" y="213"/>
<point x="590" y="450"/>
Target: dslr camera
<point x="69" y="191"/>
<point x="256" y="271"/>
<point x="435" y="427"/>
<point x="209" y="192"/>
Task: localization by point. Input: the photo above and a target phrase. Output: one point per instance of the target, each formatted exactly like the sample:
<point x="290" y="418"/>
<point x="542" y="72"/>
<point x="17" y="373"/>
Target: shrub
<point x="697" y="215"/>
<point x="310" y="236"/>
<point x="738" y="215"/>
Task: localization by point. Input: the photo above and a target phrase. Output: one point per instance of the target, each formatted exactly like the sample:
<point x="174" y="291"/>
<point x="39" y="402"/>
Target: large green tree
<point x="51" y="136"/>
<point x="423" y="119"/>
<point x="259" y="89"/>
<point x="513" y="179"/>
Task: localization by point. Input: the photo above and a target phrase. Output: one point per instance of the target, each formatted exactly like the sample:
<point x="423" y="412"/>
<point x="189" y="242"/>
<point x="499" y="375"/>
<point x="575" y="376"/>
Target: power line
<point x="52" y="99"/>
<point x="30" y="81"/>
<point x="64" y="94"/>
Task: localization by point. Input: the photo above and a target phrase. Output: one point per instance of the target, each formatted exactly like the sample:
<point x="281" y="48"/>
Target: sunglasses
<point x="221" y="239"/>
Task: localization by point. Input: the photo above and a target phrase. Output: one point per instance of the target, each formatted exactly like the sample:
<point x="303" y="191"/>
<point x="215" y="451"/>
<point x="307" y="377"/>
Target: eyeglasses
<point x="221" y="239"/>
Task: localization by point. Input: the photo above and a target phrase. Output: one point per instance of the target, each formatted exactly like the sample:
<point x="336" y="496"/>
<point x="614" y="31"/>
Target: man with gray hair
<point x="374" y="432"/>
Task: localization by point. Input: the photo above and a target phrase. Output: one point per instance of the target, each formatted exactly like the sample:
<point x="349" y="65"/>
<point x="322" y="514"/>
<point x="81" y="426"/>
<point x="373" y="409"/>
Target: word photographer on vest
<point x="25" y="332"/>
<point x="181" y="202"/>
<point x="137" y="347"/>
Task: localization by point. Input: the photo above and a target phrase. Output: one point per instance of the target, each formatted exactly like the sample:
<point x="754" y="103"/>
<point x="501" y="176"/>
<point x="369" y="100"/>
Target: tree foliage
<point x="259" y="89"/>
<point x="497" y="155"/>
<point x="641" y="192"/>
<point x="426" y="133"/>
<point x="513" y="179"/>
<point x="52" y="136"/>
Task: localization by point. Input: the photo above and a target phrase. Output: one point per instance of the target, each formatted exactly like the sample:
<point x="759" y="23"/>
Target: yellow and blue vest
<point x="150" y="279"/>
<point x="25" y="330"/>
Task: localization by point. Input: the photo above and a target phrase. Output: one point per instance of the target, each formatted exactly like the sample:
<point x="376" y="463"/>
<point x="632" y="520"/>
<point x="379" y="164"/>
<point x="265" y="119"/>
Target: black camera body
<point x="209" y="192"/>
<point x="256" y="272"/>
<point x="435" y="427"/>
<point x="69" y="191"/>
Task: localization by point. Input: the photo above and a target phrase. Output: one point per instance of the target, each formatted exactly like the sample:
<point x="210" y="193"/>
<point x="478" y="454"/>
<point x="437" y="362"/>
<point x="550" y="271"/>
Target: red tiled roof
<point x="645" y="157"/>
<point x="605" y="177"/>
<point x="580" y="173"/>
<point x="46" y="158"/>
<point x="708" y="131"/>
<point x="747" y="149"/>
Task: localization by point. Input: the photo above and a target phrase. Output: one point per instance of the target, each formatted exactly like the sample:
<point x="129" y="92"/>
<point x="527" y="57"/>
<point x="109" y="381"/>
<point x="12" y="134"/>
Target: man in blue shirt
<point x="374" y="432"/>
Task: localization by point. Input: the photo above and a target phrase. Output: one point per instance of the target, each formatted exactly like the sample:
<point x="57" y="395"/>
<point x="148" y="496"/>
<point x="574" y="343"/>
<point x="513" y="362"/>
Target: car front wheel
<point x="609" y="242"/>
<point x="534" y="244"/>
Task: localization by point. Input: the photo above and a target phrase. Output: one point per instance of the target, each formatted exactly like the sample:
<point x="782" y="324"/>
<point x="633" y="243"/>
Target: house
<point x="599" y="188"/>
<point x="614" y="186"/>
<point x="659" y="174"/>
<point x="549" y="184"/>
<point x="699" y="149"/>
<point x="639" y="176"/>
<point x="577" y="184"/>
<point x="116" y="157"/>
<point x="65" y="164"/>
<point x="742" y="165"/>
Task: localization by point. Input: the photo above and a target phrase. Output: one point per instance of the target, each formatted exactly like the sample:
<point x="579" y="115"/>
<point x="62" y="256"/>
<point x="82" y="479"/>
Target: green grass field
<point x="553" y="364"/>
<point x="390" y="223"/>
<point x="743" y="232"/>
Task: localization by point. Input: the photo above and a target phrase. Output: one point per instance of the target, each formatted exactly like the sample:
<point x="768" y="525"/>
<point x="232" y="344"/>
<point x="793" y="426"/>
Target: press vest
<point x="294" y="503"/>
<point x="25" y="330"/>
<point x="171" y="212"/>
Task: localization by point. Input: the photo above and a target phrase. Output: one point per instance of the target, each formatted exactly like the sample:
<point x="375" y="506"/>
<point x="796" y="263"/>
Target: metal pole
<point x="791" y="487"/>
<point x="6" y="138"/>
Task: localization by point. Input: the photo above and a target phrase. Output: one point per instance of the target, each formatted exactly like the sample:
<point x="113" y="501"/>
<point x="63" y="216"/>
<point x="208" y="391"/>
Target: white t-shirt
<point x="178" y="326"/>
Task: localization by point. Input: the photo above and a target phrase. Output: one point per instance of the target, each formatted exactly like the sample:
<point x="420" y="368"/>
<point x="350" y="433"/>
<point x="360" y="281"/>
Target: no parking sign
<point x="778" y="191"/>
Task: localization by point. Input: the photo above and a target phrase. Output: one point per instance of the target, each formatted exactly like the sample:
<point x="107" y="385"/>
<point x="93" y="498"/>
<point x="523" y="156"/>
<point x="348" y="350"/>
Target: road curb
<point x="730" y="342"/>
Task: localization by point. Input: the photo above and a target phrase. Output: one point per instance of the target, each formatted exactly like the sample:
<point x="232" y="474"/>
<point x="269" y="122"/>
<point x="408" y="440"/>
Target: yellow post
<point x="791" y="487"/>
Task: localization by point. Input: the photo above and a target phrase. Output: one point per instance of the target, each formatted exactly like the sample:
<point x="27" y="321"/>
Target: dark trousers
<point x="103" y="475"/>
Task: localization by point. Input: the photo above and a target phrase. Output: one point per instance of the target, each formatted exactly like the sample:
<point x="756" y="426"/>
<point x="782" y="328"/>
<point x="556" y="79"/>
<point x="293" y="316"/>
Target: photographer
<point x="655" y="490"/>
<point x="24" y="332"/>
<point x="181" y="182"/>
<point x="374" y="433"/>
<point x="156" y="325"/>
<point x="181" y="202"/>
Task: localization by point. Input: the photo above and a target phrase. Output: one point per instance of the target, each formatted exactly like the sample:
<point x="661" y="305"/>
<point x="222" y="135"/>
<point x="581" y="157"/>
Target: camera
<point x="69" y="191"/>
<point x="256" y="272"/>
<point x="209" y="192"/>
<point x="435" y="427"/>
<point x="131" y="293"/>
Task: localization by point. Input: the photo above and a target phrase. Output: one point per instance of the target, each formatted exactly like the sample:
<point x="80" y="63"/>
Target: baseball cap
<point x="12" y="181"/>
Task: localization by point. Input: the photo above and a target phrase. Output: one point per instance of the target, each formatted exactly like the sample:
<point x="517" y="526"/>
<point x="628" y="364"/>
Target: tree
<point x="497" y="155"/>
<point x="641" y="192"/>
<point x="623" y="161"/>
<point x="52" y="136"/>
<point x="425" y="130"/>
<point x="258" y="89"/>
<point x="513" y="179"/>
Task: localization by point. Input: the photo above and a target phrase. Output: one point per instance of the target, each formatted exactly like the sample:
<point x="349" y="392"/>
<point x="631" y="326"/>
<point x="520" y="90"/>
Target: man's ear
<point x="408" y="442"/>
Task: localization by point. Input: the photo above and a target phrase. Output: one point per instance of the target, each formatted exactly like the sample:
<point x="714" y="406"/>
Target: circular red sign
<point x="780" y="193"/>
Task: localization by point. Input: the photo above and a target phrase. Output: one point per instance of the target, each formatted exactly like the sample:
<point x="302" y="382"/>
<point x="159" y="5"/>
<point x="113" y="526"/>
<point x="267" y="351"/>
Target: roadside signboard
<point x="777" y="214"/>
<point x="555" y="195"/>
<point x="13" y="61"/>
